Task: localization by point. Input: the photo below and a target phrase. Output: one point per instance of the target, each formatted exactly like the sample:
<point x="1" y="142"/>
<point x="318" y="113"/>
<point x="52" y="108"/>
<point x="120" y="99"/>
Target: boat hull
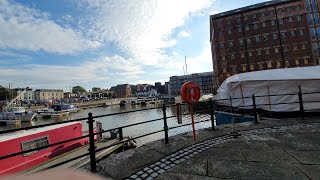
<point x="58" y="133"/>
<point x="229" y="118"/>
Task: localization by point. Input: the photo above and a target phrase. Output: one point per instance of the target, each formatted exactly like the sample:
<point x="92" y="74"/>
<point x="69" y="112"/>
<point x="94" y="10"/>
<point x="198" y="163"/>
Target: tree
<point x="109" y="95"/>
<point x="4" y="94"/>
<point x="78" y="89"/>
<point x="95" y="89"/>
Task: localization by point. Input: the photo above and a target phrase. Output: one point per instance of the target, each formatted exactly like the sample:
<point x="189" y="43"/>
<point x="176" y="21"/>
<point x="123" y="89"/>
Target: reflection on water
<point x="129" y="118"/>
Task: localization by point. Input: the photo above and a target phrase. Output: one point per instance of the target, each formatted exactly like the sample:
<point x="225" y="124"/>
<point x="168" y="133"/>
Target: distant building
<point x="100" y="93"/>
<point x="204" y="80"/>
<point x="166" y="86"/>
<point x="157" y="84"/>
<point x="26" y="96"/>
<point x="68" y="95"/>
<point x="145" y="90"/>
<point x="147" y="93"/>
<point x="122" y="90"/>
<point x="269" y="35"/>
<point x="48" y="94"/>
<point x="133" y="89"/>
<point x="160" y="88"/>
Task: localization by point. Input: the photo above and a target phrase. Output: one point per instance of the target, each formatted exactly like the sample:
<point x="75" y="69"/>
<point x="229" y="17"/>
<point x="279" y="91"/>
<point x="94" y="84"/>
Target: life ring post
<point x="192" y="119"/>
<point x="190" y="93"/>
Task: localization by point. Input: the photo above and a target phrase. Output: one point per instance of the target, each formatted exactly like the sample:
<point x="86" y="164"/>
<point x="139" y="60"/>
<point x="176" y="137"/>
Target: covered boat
<point x="273" y="89"/>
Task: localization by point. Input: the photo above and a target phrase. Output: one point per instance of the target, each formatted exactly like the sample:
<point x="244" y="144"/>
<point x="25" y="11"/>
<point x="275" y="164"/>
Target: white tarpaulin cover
<point x="273" y="82"/>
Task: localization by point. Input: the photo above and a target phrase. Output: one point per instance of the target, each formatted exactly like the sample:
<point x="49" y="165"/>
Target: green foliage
<point x="4" y="94"/>
<point x="78" y="89"/>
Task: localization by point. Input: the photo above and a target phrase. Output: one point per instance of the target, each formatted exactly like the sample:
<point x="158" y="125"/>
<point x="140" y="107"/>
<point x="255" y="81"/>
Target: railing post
<point x="212" y="115"/>
<point x="254" y="109"/>
<point x="165" y="124"/>
<point x="301" y="102"/>
<point x="92" y="147"/>
<point x="120" y="134"/>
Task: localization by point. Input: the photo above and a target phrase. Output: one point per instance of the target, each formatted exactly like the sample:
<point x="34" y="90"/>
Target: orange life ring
<point x="190" y="92"/>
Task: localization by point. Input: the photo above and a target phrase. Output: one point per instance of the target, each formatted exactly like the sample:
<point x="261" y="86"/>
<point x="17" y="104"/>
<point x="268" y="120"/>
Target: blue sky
<point x="102" y="43"/>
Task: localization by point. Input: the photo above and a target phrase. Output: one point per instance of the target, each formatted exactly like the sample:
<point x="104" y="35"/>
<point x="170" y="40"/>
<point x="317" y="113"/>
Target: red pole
<point x="192" y="118"/>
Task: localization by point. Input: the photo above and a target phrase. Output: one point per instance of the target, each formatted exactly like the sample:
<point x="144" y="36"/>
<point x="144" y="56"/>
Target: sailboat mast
<point x="185" y="61"/>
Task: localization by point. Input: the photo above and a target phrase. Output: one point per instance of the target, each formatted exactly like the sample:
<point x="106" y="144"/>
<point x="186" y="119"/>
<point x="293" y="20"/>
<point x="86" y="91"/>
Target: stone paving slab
<point x="306" y="157"/>
<point x="177" y="176"/>
<point x="271" y="156"/>
<point x="126" y="163"/>
<point x="234" y="144"/>
<point x="313" y="137"/>
<point x="279" y="145"/>
<point x="258" y="145"/>
<point x="184" y="140"/>
<point x="312" y="171"/>
<point x="223" y="154"/>
<point x="298" y="141"/>
<point x="253" y="170"/>
<point x="194" y="166"/>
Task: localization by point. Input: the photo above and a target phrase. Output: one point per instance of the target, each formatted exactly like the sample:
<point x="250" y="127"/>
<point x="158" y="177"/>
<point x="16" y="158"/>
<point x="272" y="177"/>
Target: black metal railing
<point x="210" y="108"/>
<point x="91" y="135"/>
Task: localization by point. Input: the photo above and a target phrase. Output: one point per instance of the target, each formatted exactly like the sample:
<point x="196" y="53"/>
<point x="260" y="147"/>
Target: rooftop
<point x="250" y="8"/>
<point x="194" y="74"/>
<point x="49" y="90"/>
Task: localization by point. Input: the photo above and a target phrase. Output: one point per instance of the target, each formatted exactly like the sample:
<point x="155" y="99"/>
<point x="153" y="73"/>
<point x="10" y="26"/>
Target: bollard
<point x="99" y="130"/>
<point x="301" y="103"/>
<point x="212" y="115"/>
<point x="254" y="109"/>
<point x="120" y="134"/>
<point x="165" y="125"/>
<point x="179" y="113"/>
<point x="92" y="147"/>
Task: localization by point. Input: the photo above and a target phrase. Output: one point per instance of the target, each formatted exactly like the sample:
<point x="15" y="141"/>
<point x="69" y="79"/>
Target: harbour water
<point x="119" y="120"/>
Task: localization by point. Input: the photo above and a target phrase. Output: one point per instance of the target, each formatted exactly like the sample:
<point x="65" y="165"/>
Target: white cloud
<point x="141" y="28"/>
<point x="103" y="69"/>
<point x="195" y="64"/>
<point x="200" y="63"/>
<point x="184" y="34"/>
<point x="16" y="56"/>
<point x="26" y="28"/>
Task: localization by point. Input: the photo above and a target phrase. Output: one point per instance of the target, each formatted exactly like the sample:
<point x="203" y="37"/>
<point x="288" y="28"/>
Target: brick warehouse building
<point x="269" y="35"/>
<point x="204" y="80"/>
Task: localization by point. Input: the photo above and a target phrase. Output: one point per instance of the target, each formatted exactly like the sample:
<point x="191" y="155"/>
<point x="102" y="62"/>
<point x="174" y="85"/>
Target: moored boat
<point x="9" y="118"/>
<point x="65" y="108"/>
<point x="148" y="101"/>
<point x="124" y="102"/>
<point x="276" y="91"/>
<point x="47" y="113"/>
<point x="36" y="138"/>
<point x="11" y="115"/>
<point x="57" y="110"/>
<point x="222" y="117"/>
